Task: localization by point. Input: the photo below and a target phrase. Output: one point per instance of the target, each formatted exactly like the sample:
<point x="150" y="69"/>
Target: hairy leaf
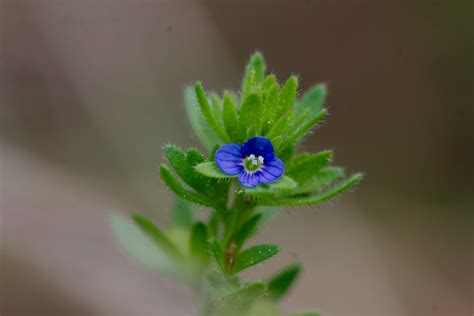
<point x="206" y="135"/>
<point x="280" y="126"/>
<point x="143" y="249"/>
<point x="319" y="197"/>
<point x="288" y="95"/>
<point x="253" y="256"/>
<point x="216" y="106"/>
<point x="254" y="74"/>
<point x="257" y="62"/>
<point x="218" y="253"/>
<point x="211" y="170"/>
<point x="182" y="214"/>
<point x="247" y="230"/>
<point x="250" y="114"/>
<point x="239" y="302"/>
<point x="301" y="130"/>
<point x="269" y="81"/>
<point x="199" y="244"/>
<point x="306" y="168"/>
<point x="231" y="121"/>
<point x="208" y="114"/>
<point x="324" y="177"/>
<point x="156" y="235"/>
<point x="180" y="190"/>
<point x="312" y="101"/>
<point x="248" y="83"/>
<point x="275" y="189"/>
<point x="281" y="283"/>
<point x="270" y="106"/>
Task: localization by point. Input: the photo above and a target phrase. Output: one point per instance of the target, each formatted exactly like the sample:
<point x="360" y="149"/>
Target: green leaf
<point x="231" y="122"/>
<point x="218" y="253"/>
<point x="312" y="101"/>
<point x="286" y="151"/>
<point x="240" y="301"/>
<point x="213" y="224"/>
<point x="281" y="283"/>
<point x="306" y="168"/>
<point x="179" y="162"/>
<point x="270" y="106"/>
<point x="250" y="114"/>
<point x="184" y="167"/>
<point x="268" y="212"/>
<point x="248" y="83"/>
<point x="284" y="185"/>
<point x="319" y="197"/>
<point x="156" y="235"/>
<point x="301" y="130"/>
<point x="277" y="142"/>
<point x="257" y="62"/>
<point x="208" y="114"/>
<point x="205" y="134"/>
<point x="216" y="106"/>
<point x="253" y="256"/>
<point x="254" y="74"/>
<point x="247" y="230"/>
<point x="263" y="308"/>
<point x="211" y="170"/>
<point x="324" y="177"/>
<point x="269" y="81"/>
<point x="281" y="126"/>
<point x="182" y="214"/>
<point x="199" y="244"/>
<point x="143" y="249"/>
<point x="180" y="190"/>
<point x="288" y="95"/>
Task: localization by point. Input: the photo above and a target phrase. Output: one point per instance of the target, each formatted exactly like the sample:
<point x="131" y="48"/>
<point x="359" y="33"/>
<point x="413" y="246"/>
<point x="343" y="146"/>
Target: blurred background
<point x="91" y="90"/>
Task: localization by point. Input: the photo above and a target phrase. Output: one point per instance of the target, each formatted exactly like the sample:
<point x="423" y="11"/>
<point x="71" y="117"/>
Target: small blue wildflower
<point x="254" y="161"/>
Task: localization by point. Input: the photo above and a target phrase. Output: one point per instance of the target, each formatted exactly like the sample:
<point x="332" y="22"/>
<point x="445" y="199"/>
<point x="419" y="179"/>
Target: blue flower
<point x="254" y="161"/>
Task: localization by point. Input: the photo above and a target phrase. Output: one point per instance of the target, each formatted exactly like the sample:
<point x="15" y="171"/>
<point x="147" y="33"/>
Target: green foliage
<point x="208" y="114"/>
<point x="304" y="169"/>
<point x="182" y="215"/>
<point x="180" y="190"/>
<point x="218" y="253"/>
<point x="288" y="95"/>
<point x="247" y="230"/>
<point x="156" y="235"/>
<point x="198" y="242"/>
<point x="253" y="256"/>
<point x="205" y="134"/>
<point x="312" y="101"/>
<point x="250" y="115"/>
<point x="319" y="197"/>
<point x="231" y="119"/>
<point x="279" y="285"/>
<point x="210" y="169"/>
<point x="205" y="250"/>
<point x="239" y="302"/>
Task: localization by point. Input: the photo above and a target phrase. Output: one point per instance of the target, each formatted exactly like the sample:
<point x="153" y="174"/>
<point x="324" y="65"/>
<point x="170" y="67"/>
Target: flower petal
<point x="259" y="146"/>
<point x="271" y="171"/>
<point x="248" y="179"/>
<point x="229" y="159"/>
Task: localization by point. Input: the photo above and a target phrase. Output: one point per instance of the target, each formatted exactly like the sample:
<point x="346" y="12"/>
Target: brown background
<point x="91" y="90"/>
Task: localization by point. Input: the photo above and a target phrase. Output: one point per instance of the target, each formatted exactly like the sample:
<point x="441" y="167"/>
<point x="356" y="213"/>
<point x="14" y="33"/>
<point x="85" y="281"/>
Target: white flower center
<point x="254" y="161"/>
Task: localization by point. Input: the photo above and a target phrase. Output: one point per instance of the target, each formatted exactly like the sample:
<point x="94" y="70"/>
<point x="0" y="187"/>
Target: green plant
<point x="209" y="254"/>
